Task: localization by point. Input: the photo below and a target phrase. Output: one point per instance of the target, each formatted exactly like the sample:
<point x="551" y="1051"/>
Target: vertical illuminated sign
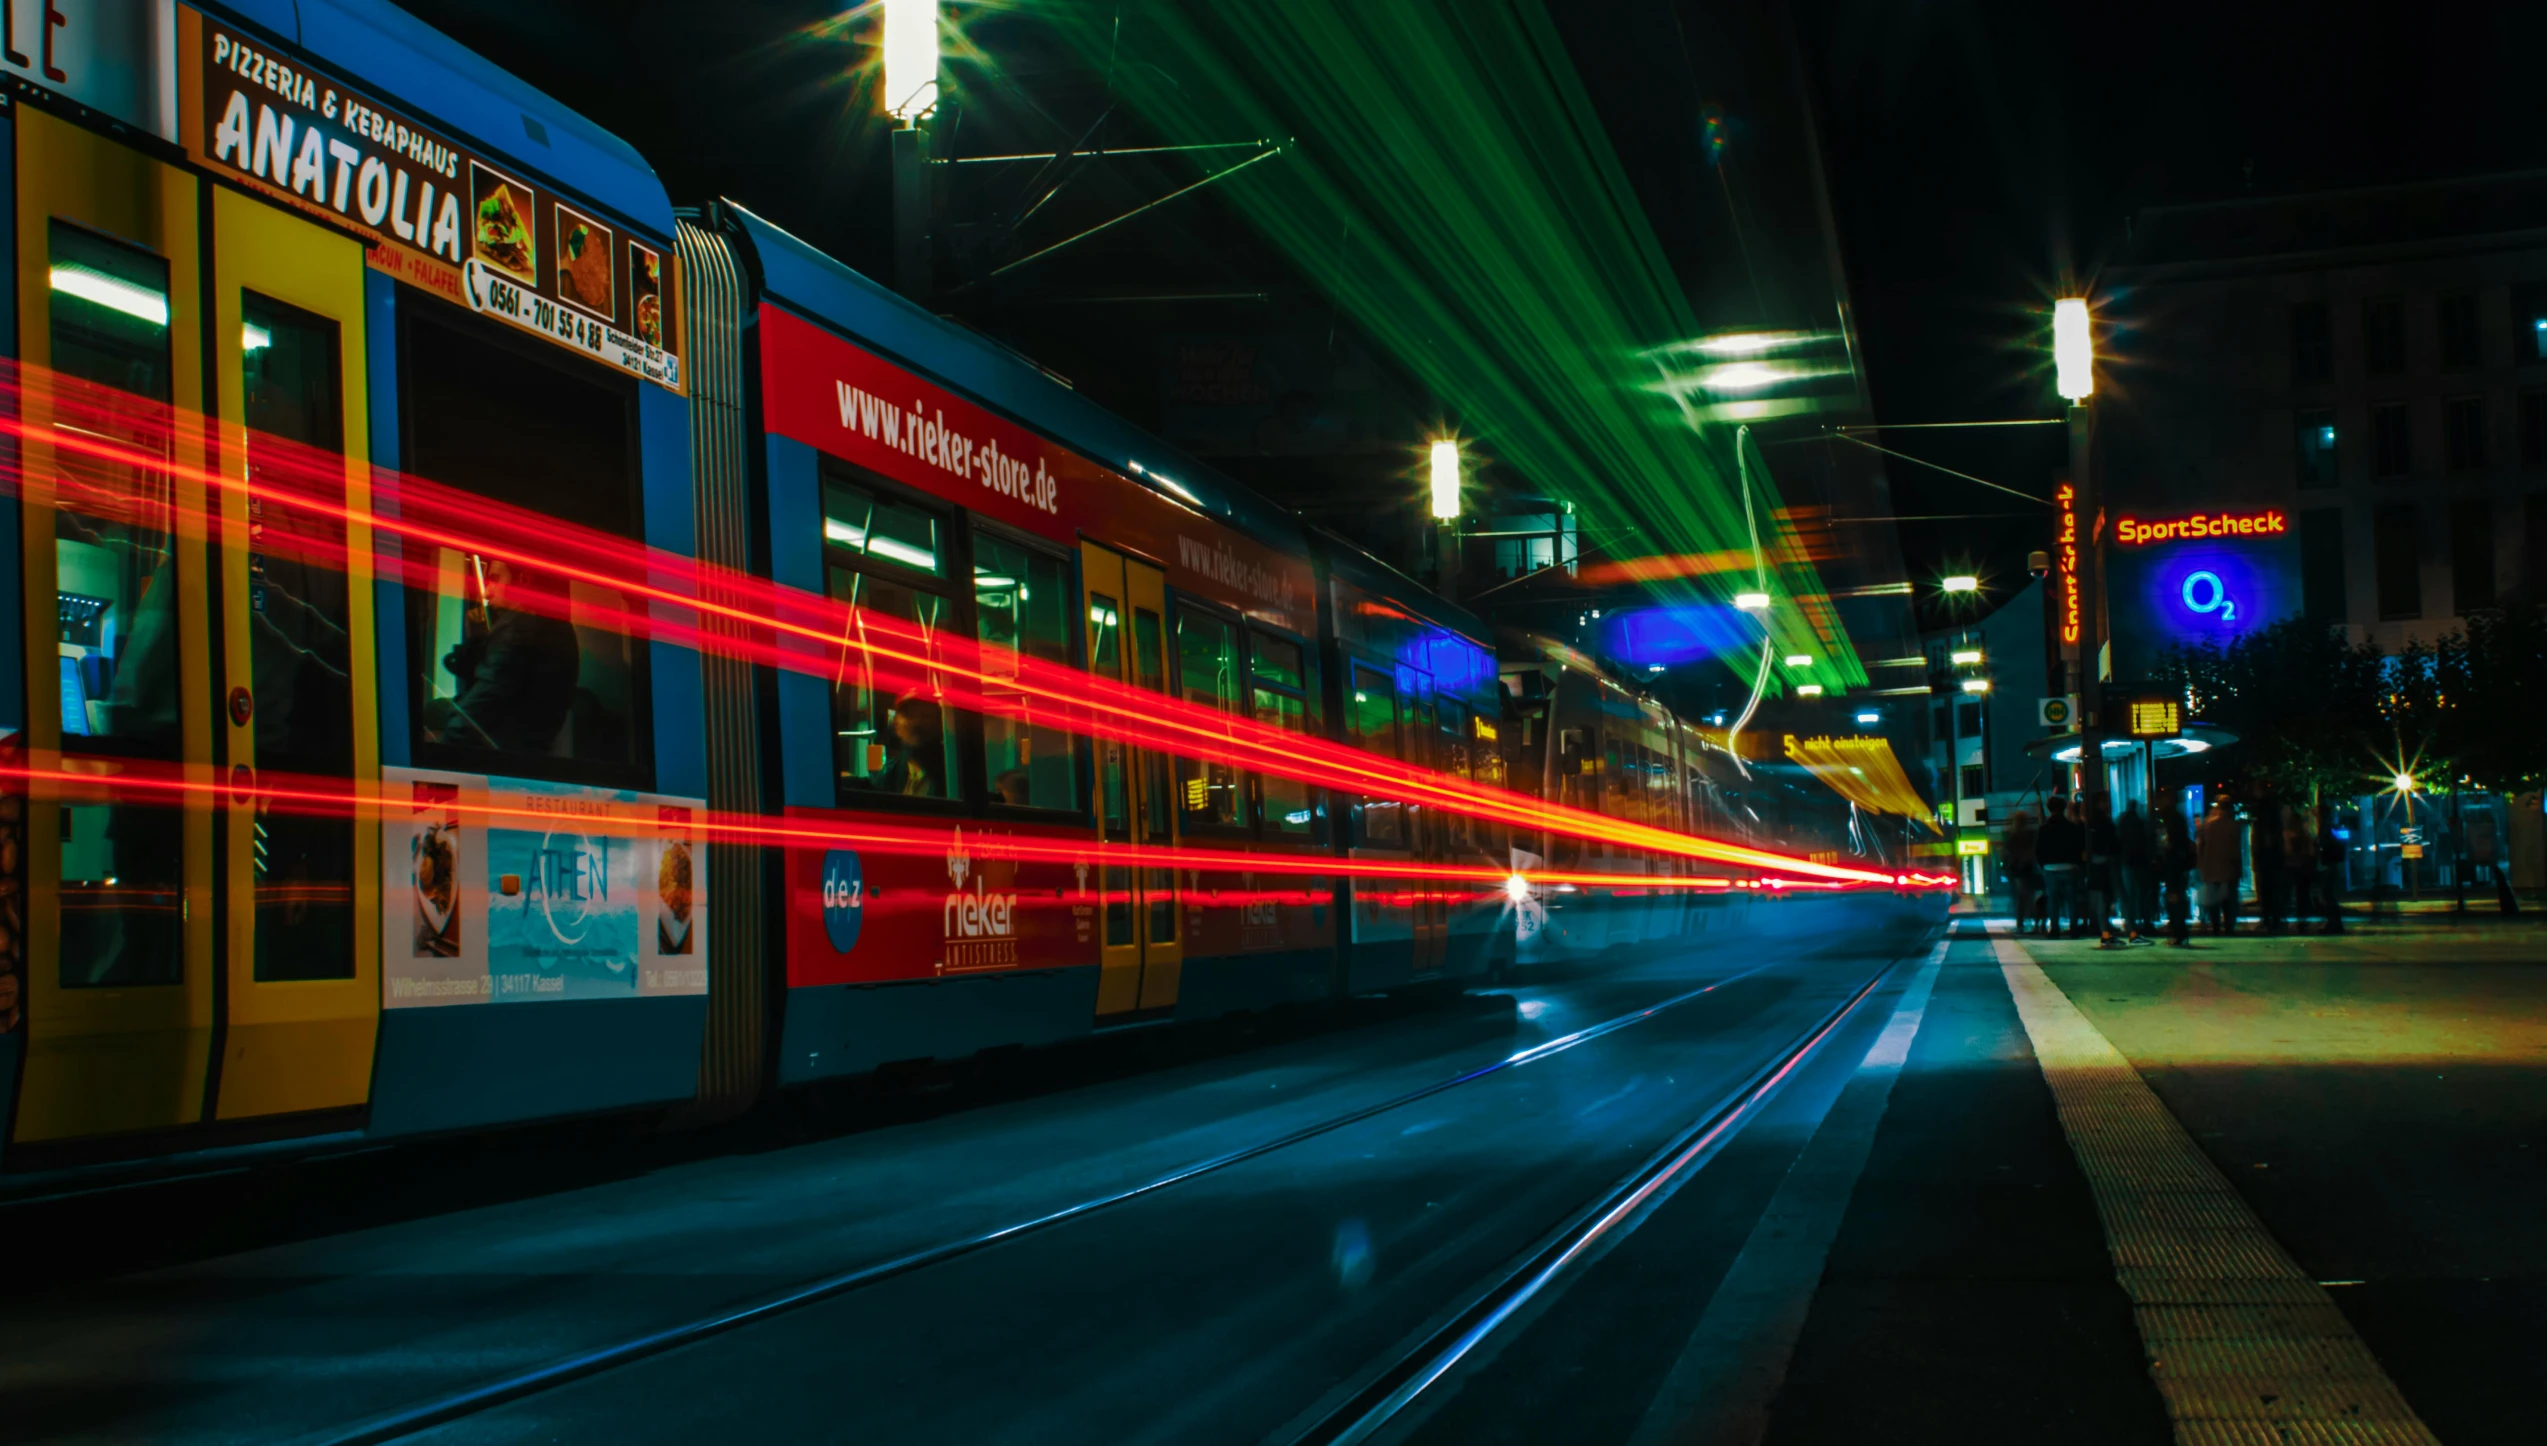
<point x="2065" y="569"/>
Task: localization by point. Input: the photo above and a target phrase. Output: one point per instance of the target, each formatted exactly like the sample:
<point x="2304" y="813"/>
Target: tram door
<point x="119" y="916"/>
<point x="301" y="935"/>
<point x="1428" y="827"/>
<point x="1142" y="953"/>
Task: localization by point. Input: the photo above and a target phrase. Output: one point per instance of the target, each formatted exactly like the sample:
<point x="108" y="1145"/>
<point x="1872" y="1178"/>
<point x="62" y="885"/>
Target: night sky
<point x="1982" y="156"/>
<point x="1984" y="153"/>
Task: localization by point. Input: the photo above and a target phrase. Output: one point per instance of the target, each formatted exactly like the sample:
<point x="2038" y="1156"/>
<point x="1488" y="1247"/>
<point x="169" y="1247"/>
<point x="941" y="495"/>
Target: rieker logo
<point x="981" y="914"/>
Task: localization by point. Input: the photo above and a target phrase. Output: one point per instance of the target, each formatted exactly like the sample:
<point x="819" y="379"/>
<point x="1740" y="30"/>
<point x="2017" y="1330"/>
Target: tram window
<point x="1459" y="830"/>
<point x="519" y="671"/>
<point x="1279" y="679"/>
<point x="299" y="657"/>
<point x="1021" y="607"/>
<point x="892" y="734"/>
<point x="115" y="575"/>
<point x="114" y="540"/>
<point x="1371" y="707"/>
<point x="1210" y="792"/>
<point x="879" y="528"/>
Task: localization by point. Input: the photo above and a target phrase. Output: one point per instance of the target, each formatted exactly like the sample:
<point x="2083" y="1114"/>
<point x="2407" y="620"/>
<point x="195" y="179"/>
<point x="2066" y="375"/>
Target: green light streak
<point x="1452" y="191"/>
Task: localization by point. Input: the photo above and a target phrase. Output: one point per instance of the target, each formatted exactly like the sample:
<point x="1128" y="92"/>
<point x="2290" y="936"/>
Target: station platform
<point x="1986" y="1190"/>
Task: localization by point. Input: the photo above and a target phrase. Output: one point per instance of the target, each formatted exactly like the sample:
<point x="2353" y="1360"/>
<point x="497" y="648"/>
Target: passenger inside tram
<point x="918" y="769"/>
<point x="516" y="666"/>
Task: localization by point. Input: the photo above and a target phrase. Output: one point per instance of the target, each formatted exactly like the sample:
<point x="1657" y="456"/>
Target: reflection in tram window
<point x="298" y="640"/>
<point x="115" y="573"/>
<point x="1210" y="793"/>
<point x="1451" y="756"/>
<point x="518" y="671"/>
<point x="114" y="548"/>
<point x="1281" y="701"/>
<point x="1371" y="709"/>
<point x="888" y="739"/>
<point x="879" y="529"/>
<point x="1021" y="603"/>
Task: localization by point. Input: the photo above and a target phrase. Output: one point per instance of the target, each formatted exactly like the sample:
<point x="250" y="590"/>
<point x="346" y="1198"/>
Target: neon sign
<point x="2205" y="593"/>
<point x="2066" y="540"/>
<point x="2272" y="522"/>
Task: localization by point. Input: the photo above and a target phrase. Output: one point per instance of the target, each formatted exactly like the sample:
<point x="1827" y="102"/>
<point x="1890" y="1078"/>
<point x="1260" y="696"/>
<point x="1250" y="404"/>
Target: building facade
<point x="2329" y="405"/>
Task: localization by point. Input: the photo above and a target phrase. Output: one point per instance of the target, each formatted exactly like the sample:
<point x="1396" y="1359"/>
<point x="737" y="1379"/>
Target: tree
<point x="2309" y="708"/>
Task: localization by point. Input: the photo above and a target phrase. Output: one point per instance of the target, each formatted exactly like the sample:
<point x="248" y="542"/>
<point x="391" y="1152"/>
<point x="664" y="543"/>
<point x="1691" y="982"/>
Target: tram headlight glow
<point x="1516" y="888"/>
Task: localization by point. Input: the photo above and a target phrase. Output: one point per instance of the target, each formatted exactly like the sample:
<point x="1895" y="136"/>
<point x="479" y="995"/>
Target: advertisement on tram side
<point x="439" y="216"/>
<point x="503" y="891"/>
<point x="867" y="914"/>
<point x="845" y="401"/>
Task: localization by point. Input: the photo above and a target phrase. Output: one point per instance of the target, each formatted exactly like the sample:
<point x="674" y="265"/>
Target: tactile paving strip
<point x="2245" y="1348"/>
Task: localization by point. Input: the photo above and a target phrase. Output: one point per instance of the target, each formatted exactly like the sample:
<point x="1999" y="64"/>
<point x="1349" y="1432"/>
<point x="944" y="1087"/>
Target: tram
<point x="321" y="224"/>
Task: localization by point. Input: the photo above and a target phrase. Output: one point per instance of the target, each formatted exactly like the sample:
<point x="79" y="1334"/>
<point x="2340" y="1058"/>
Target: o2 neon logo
<point x="2204" y="593"/>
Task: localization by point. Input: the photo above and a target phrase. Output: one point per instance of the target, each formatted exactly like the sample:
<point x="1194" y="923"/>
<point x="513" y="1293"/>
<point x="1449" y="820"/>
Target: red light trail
<point x="716" y="610"/>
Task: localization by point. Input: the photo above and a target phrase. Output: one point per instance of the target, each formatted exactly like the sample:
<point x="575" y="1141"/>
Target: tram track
<point x="522" y="1385"/>
<point x="1396" y="1387"/>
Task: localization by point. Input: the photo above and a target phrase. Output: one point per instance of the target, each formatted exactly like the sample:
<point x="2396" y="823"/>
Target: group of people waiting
<point x="2073" y="875"/>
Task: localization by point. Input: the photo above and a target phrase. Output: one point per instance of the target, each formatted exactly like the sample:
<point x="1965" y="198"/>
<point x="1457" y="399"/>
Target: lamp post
<point x="910" y="97"/>
<point x="1445" y="499"/>
<point x="2074" y="362"/>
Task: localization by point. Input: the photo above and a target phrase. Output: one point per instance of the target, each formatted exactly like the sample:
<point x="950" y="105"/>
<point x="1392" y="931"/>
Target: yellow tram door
<point x="118" y="840"/>
<point x="302" y="929"/>
<point x="1142" y="953"/>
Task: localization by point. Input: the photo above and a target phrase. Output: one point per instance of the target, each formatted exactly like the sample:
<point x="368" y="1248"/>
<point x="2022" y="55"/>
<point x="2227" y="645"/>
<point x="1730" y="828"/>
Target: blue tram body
<point x="326" y="223"/>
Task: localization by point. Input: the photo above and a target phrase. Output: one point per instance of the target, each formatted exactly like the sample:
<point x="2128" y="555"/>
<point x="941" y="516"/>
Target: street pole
<point x="911" y="261"/>
<point x="2091" y="592"/>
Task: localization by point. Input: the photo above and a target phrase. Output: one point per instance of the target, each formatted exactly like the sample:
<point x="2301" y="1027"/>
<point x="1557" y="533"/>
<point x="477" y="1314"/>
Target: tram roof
<point x="995" y="375"/>
<point x="416" y="67"/>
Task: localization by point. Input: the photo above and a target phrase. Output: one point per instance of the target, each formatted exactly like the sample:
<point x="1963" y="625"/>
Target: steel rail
<point x="1615" y="1213"/>
<point x="410" y="1420"/>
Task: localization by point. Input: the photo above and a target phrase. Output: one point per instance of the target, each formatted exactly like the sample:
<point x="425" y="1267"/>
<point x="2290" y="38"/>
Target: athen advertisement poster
<point x="468" y="228"/>
<point x="510" y="892"/>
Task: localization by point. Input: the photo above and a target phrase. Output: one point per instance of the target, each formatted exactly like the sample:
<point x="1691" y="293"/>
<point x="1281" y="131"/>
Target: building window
<point x="2321" y="565"/>
<point x="2533" y="431"/>
<point x="2391" y="439"/>
<point x="1531" y="542"/>
<point x="2383" y="349"/>
<point x="2393" y="544"/>
<point x="1967" y="720"/>
<point x="2458" y="332"/>
<point x="2533" y="545"/>
<point x="2529" y="323"/>
<point x="2463" y="426"/>
<point x="2312" y="343"/>
<point x="2472" y="554"/>
<point x="2317" y="449"/>
<point x="1976" y="782"/>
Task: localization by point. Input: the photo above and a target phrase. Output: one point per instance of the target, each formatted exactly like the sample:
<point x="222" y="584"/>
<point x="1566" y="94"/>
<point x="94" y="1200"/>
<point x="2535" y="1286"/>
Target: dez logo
<point x="844" y="899"/>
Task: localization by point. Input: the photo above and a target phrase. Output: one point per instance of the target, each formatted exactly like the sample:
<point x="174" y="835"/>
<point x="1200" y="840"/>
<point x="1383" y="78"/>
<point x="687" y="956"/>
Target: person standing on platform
<point x="2017" y="853"/>
<point x="2215" y="854"/>
<point x="2104" y="855"/>
<point x="2137" y="853"/>
<point x="2299" y="864"/>
<point x="2059" y="847"/>
<point x="2175" y="871"/>
<point x="2264" y="856"/>
<point x="2330" y="868"/>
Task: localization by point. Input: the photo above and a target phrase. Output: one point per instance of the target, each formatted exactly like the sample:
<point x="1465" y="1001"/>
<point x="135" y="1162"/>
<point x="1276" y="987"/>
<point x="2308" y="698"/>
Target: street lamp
<point x="1751" y="602"/>
<point x="2074" y="376"/>
<point x="1961" y="583"/>
<point x="2073" y="350"/>
<point x="910" y="59"/>
<point x="1445" y="480"/>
